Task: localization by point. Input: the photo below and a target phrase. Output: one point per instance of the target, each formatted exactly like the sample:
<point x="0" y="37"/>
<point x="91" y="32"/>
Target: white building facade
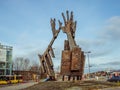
<point x="5" y="60"/>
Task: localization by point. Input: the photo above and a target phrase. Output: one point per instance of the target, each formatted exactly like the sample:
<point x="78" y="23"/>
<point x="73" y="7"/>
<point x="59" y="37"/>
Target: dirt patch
<point x="78" y="85"/>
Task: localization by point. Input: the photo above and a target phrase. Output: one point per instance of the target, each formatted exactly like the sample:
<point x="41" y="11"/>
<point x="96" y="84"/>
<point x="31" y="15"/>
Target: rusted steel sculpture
<point x="45" y="59"/>
<point x="72" y="63"/>
<point x="73" y="59"/>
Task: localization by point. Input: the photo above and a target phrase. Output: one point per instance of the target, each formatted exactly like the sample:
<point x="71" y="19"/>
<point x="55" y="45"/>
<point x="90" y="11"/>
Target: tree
<point x="21" y="63"/>
<point x="35" y="67"/>
<point x="26" y="65"/>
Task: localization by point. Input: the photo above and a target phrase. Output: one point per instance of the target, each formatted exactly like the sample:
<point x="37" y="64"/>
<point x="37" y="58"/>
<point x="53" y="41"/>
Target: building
<point x="27" y="75"/>
<point x="32" y="74"/>
<point x="5" y="60"/>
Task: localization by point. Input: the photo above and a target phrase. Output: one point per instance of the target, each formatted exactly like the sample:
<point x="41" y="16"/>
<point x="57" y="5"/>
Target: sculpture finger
<point x="71" y="17"/>
<point x="60" y="24"/>
<point x="64" y="18"/>
<point x="67" y="12"/>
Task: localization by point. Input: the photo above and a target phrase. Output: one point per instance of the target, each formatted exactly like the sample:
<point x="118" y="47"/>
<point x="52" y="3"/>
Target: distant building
<point x="27" y="75"/>
<point x="5" y="60"/>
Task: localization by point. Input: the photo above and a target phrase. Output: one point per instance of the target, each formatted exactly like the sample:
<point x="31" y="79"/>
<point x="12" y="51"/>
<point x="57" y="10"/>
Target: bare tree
<point x="35" y="67"/>
<point x="21" y="63"/>
<point x="26" y="64"/>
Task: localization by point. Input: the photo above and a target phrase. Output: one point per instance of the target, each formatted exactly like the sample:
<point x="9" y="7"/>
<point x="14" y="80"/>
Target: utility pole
<point x="88" y="60"/>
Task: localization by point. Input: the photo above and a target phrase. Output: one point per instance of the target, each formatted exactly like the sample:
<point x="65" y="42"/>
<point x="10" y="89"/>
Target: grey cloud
<point x="100" y="53"/>
<point x="114" y="20"/>
<point x="87" y="43"/>
<point x="112" y="63"/>
<point x="107" y="38"/>
<point x="97" y="47"/>
<point x="111" y="31"/>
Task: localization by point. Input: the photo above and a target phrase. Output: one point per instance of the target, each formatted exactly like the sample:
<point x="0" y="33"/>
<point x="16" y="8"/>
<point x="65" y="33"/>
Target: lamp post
<point x="88" y="60"/>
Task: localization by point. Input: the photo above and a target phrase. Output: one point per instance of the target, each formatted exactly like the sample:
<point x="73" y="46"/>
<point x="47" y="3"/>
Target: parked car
<point x="114" y="79"/>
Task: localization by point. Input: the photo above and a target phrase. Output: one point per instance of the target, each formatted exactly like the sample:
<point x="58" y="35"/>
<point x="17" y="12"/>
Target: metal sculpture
<point x="72" y="63"/>
<point x="73" y="59"/>
<point x="45" y="59"/>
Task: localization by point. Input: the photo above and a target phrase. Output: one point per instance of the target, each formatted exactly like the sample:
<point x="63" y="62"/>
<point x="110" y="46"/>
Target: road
<point x="18" y="86"/>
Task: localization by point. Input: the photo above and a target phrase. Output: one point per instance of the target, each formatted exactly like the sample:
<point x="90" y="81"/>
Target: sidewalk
<point x="19" y="86"/>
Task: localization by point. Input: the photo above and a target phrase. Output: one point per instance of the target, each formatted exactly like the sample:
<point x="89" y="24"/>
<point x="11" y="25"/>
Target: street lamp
<point x="88" y="60"/>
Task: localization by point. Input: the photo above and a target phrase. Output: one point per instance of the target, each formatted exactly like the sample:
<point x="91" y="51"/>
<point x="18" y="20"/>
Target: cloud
<point x="114" y="20"/>
<point x="112" y="63"/>
<point x="87" y="43"/>
<point x="106" y="41"/>
<point x="112" y="29"/>
<point x="97" y="47"/>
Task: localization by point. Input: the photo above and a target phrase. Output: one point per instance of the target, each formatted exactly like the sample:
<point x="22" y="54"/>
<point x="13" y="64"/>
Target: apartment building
<point x="5" y="60"/>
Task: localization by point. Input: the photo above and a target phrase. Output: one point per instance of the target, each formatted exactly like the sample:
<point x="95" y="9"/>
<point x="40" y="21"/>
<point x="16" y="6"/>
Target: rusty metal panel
<point x="66" y="55"/>
<point x="66" y="45"/>
<point x="65" y="63"/>
<point x="75" y="63"/>
<point x="65" y="68"/>
<point x="82" y="62"/>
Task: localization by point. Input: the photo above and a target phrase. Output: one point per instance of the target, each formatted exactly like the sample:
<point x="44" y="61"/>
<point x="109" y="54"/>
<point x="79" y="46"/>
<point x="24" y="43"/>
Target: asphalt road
<point x="18" y="86"/>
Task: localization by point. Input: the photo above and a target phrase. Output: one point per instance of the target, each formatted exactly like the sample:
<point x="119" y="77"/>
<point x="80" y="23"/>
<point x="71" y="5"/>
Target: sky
<point x="25" y="25"/>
